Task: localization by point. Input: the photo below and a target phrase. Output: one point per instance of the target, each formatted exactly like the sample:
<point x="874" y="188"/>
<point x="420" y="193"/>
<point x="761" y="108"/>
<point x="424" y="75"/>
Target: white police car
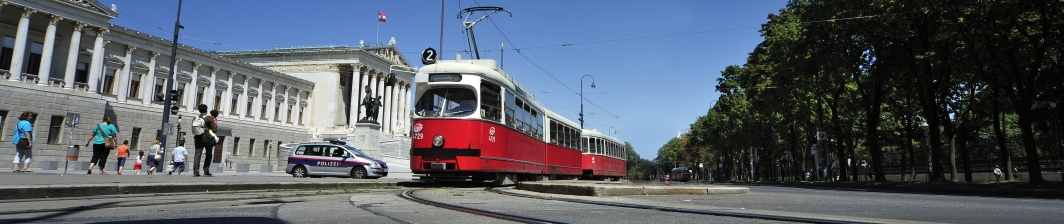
<point x="333" y="158"/>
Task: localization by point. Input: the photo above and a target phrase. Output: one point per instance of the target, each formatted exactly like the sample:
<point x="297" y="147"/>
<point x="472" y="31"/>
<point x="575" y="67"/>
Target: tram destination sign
<point x="428" y="56"/>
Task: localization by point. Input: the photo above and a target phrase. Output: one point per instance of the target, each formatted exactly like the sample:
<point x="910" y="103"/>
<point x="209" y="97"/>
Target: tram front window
<point x="446" y="102"/>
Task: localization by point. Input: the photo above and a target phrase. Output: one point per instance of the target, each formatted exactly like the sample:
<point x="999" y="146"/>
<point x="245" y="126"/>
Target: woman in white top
<point x="151" y="156"/>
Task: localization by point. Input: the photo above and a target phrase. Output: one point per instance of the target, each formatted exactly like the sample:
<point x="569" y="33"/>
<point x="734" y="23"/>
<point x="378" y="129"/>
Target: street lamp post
<point x="1060" y="143"/>
<point x="167" y="103"/>
<point x="582" y="97"/>
<point x="986" y="145"/>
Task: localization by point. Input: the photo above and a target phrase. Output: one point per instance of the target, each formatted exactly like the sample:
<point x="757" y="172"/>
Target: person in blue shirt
<point x="23" y="141"/>
<point x="99" y="148"/>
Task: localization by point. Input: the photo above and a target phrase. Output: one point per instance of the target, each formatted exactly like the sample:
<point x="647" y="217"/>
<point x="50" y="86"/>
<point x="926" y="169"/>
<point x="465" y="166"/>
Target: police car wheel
<point x="358" y="173"/>
<point x="299" y="171"/>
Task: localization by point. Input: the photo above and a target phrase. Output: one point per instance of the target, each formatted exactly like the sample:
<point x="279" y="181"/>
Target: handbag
<point x="107" y="141"/>
<point x="23" y="143"/>
<point x="208" y="139"/>
<point x="158" y="156"/>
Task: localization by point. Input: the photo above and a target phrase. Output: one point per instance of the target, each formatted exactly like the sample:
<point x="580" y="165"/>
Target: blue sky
<point x="654" y="63"/>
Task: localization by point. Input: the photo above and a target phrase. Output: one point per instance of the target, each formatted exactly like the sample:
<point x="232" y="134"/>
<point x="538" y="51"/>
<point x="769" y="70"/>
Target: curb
<point x="950" y="190"/>
<point x="32" y="192"/>
<point x="620" y="190"/>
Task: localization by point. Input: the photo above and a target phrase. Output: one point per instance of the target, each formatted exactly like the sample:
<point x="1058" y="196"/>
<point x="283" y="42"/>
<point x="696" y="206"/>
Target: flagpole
<point x="378" y="38"/>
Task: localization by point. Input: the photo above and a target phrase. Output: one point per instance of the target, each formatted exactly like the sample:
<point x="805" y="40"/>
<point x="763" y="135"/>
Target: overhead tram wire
<point x="541" y="68"/>
<point x="667" y="35"/>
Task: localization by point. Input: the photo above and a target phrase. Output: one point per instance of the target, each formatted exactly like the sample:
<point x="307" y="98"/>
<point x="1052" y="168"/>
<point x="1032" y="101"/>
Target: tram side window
<point x="553" y="132"/>
<point x="583" y="144"/>
<point x="490" y="102"/>
<point x="537" y="126"/>
<point x="511" y="103"/>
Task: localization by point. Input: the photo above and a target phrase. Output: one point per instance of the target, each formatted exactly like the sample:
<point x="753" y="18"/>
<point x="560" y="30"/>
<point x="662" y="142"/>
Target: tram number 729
<point x="419" y="136"/>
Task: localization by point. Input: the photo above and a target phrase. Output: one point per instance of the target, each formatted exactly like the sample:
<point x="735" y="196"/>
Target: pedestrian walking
<point x="997" y="173"/>
<point x="23" y="141"/>
<point x="866" y="169"/>
<point x="178" y="159"/>
<point x="137" y="164"/>
<point x="121" y="155"/>
<point x="1015" y="174"/>
<point x="153" y="153"/>
<point x="203" y="128"/>
<point x="103" y="141"/>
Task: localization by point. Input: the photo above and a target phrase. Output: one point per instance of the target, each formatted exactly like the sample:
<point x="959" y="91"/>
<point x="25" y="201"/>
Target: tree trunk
<point x="1006" y="157"/>
<point x="965" y="155"/>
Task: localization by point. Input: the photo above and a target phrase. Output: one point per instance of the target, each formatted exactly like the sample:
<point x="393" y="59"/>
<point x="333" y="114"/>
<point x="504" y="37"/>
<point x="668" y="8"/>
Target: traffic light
<point x="173" y="102"/>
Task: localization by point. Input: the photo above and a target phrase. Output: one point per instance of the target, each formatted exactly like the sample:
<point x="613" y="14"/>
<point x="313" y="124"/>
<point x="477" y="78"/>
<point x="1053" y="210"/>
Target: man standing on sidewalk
<point x="202" y="127"/>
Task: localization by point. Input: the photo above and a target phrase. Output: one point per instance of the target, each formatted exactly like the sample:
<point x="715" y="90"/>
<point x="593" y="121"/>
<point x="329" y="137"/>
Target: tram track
<point x="679" y="210"/>
<point x="410" y="195"/>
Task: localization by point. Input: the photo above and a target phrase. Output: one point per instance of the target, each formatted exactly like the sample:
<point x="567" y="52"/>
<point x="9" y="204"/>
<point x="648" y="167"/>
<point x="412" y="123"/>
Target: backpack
<point x="198" y="125"/>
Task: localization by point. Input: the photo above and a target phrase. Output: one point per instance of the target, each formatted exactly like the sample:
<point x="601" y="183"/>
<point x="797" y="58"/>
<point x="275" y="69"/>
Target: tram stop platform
<point x="619" y="188"/>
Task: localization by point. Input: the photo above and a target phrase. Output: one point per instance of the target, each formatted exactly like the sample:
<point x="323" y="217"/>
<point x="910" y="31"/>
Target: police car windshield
<point x="355" y="151"/>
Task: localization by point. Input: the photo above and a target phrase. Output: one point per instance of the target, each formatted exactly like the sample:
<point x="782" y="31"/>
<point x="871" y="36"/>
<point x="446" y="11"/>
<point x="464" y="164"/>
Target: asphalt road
<point x="898" y="206"/>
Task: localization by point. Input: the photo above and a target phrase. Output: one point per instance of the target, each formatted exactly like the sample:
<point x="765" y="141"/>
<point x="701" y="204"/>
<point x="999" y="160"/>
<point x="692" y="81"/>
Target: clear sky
<point x="654" y="63"/>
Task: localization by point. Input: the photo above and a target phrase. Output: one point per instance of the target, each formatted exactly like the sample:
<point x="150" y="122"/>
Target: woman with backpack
<point x="103" y="140"/>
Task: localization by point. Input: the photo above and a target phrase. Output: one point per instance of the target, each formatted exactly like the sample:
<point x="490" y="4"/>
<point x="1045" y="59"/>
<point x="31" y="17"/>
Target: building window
<point x="6" y="52"/>
<point x="180" y="92"/>
<point x="109" y="81"/>
<point x="3" y="121"/>
<point x="236" y="146"/>
<point x="251" y="148"/>
<point x="248" y="111"/>
<point x="134" y="85"/>
<point x="54" y="128"/>
<point x="135" y="139"/>
<point x="262" y="112"/>
<point x="289" y="114"/>
<point x="266" y="148"/>
<point x="301" y="115"/>
<point x="277" y="113"/>
<point x="199" y="95"/>
<point x="34" y="65"/>
<point x="160" y="86"/>
<point x="233" y="103"/>
<point x="217" y="101"/>
<point x="81" y="74"/>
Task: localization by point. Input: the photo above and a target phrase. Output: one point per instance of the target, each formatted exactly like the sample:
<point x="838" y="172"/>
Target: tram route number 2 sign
<point x="428" y="56"/>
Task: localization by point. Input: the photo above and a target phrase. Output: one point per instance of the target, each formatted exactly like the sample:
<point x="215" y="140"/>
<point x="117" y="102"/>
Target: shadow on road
<point x="59" y="213"/>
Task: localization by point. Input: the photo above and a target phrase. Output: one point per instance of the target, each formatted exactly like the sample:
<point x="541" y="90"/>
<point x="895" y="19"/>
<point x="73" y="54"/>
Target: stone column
<point x="295" y="112"/>
<point x="122" y="78"/>
<point x="20" y="45"/>
<point x="378" y="90"/>
<point x="386" y="118"/>
<point x="355" y="101"/>
<point x="271" y="105"/>
<point x="256" y="107"/>
<point x="210" y="92"/>
<point x="72" y="56"/>
<point x="49" y="46"/>
<point x="288" y="104"/>
<point x="409" y="95"/>
<point x="362" y="87"/>
<point x="243" y="100"/>
<point x="192" y="87"/>
<point x="147" y="93"/>
<point x="97" y="61"/>
<point x="227" y="98"/>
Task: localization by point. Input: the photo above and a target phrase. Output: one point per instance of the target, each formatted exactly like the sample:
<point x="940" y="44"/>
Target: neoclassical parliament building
<point x="62" y="56"/>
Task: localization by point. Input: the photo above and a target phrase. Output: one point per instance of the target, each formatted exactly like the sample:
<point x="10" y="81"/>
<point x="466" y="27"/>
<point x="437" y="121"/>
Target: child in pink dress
<point x="136" y="165"/>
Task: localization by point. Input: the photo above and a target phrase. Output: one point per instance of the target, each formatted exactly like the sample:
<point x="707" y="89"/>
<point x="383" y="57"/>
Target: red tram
<point x="473" y="122"/>
<point x="603" y="156"/>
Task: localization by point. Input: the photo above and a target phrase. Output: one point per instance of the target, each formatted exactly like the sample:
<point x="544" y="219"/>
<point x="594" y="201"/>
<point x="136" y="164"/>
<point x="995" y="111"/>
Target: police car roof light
<point x="338" y="142"/>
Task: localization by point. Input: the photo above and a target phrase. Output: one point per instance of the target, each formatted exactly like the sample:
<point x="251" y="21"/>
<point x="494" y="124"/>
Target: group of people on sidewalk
<point x="105" y="137"/>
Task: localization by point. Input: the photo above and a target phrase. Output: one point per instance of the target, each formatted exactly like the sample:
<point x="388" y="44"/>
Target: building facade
<point x="63" y="56"/>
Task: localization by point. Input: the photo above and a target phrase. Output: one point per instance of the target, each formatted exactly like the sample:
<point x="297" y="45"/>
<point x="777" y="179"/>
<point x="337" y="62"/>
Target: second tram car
<point x="472" y="121"/>
<point x="603" y="156"/>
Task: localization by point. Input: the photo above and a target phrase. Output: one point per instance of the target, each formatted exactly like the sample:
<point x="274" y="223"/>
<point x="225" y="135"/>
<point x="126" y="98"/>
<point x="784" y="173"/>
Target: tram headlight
<point x="437" y="141"/>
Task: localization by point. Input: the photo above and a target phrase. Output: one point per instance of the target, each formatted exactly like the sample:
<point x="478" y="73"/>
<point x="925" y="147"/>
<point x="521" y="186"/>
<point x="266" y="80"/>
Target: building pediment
<point x="390" y="55"/>
<point x="92" y="6"/>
